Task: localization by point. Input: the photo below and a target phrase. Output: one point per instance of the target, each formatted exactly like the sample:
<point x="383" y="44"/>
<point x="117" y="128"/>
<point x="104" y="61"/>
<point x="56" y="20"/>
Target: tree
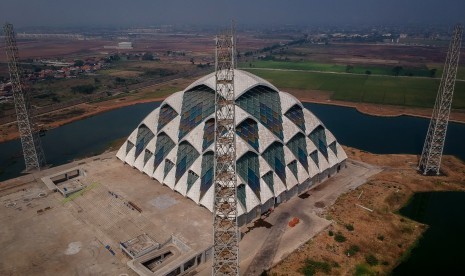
<point x="78" y="62"/>
<point x="368" y="72"/>
<point x="83" y="89"/>
<point x="147" y="56"/>
<point x="349" y="68"/>
<point x="432" y="72"/>
<point x="397" y="70"/>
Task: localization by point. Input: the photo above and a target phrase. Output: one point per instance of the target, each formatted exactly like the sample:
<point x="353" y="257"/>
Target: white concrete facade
<point x="170" y="130"/>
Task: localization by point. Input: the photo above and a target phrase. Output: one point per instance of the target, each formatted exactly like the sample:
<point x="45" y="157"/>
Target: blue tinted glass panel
<point x="167" y="114"/>
<point x="296" y="115"/>
<point x="129" y="147"/>
<point x="187" y="154"/>
<point x="268" y="178"/>
<point x="168" y="166"/>
<point x="298" y="147"/>
<point x="274" y="156"/>
<point x="293" y="167"/>
<point x="144" y="135"/>
<point x="198" y="103"/>
<point x="162" y="147"/>
<point x="147" y="156"/>
<point x="206" y="179"/>
<point x="191" y="178"/>
<point x="208" y="133"/>
<point x="264" y="104"/>
<point x="333" y="147"/>
<point x="248" y="131"/>
<point x="314" y="156"/>
<point x="249" y="170"/>
<point x="241" y="195"/>
<point x="318" y="137"/>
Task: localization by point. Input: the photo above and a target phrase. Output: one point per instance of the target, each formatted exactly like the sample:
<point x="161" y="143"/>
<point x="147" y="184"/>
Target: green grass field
<point x="440" y="67"/>
<point x="420" y="92"/>
<point x="338" y="68"/>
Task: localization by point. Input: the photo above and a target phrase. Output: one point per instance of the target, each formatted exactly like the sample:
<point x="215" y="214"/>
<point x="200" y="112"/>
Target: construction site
<point x="122" y="219"/>
<point x="228" y="176"/>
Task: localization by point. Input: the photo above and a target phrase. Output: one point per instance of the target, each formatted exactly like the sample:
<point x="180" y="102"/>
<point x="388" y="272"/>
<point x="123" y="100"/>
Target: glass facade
<point x="191" y="178"/>
<point x="318" y="137"/>
<point x="296" y="115"/>
<point x="249" y="170"/>
<point x="248" y="131"/>
<point x="198" y="103"/>
<point x="264" y="104"/>
<point x="162" y="147"/>
<point x="298" y="147"/>
<point x="144" y="135"/>
<point x="333" y="147"/>
<point x="268" y="178"/>
<point x="208" y="134"/>
<point x="186" y="156"/>
<point x="293" y="167"/>
<point x="314" y="156"/>
<point x="206" y="180"/>
<point x="241" y="195"/>
<point x="147" y="156"/>
<point x="274" y="156"/>
<point x="167" y="114"/>
<point x="168" y="166"/>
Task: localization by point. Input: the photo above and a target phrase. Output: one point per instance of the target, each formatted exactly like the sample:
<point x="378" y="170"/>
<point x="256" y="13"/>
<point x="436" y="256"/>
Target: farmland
<point x="406" y="91"/>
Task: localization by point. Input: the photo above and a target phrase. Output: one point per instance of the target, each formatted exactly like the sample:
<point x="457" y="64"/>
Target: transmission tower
<point x="225" y="229"/>
<point x="32" y="149"/>
<point x="430" y="160"/>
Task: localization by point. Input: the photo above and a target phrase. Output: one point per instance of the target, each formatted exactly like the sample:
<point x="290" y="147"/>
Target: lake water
<point x="441" y="249"/>
<point x="385" y="135"/>
<point x="93" y="135"/>
<point x="76" y="140"/>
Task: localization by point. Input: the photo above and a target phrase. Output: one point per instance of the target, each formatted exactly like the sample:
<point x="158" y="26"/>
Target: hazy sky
<point x="219" y="12"/>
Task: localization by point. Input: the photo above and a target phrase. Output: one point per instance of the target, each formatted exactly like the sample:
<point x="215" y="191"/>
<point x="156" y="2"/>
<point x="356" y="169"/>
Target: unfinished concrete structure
<point x="66" y="182"/>
<point x="282" y="148"/>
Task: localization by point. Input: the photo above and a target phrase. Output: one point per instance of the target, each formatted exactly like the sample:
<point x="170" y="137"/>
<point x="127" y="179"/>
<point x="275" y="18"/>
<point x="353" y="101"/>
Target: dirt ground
<point x="384" y="194"/>
<point x="360" y="53"/>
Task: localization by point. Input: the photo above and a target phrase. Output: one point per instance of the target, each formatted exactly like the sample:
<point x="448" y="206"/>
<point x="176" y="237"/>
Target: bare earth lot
<point x="47" y="241"/>
<point x="41" y="233"/>
<point x="384" y="193"/>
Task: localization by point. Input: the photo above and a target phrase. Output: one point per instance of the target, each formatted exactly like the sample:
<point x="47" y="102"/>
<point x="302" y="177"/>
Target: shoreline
<point x="364" y="108"/>
<point x="357" y="106"/>
<point x="378" y="226"/>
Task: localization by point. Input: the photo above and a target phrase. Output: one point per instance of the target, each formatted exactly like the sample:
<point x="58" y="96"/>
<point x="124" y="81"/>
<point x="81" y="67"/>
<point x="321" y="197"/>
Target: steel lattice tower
<point x="225" y="229"/>
<point x="32" y="149"/>
<point x="430" y="160"/>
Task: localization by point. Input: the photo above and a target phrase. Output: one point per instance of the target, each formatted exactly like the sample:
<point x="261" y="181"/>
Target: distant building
<point x="121" y="46"/>
<point x="125" y="45"/>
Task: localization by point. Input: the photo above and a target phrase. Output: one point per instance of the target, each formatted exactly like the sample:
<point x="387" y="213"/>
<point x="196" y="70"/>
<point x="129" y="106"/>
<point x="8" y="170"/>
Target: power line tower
<point x="225" y="229"/>
<point x="430" y="160"/>
<point x="32" y="149"/>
